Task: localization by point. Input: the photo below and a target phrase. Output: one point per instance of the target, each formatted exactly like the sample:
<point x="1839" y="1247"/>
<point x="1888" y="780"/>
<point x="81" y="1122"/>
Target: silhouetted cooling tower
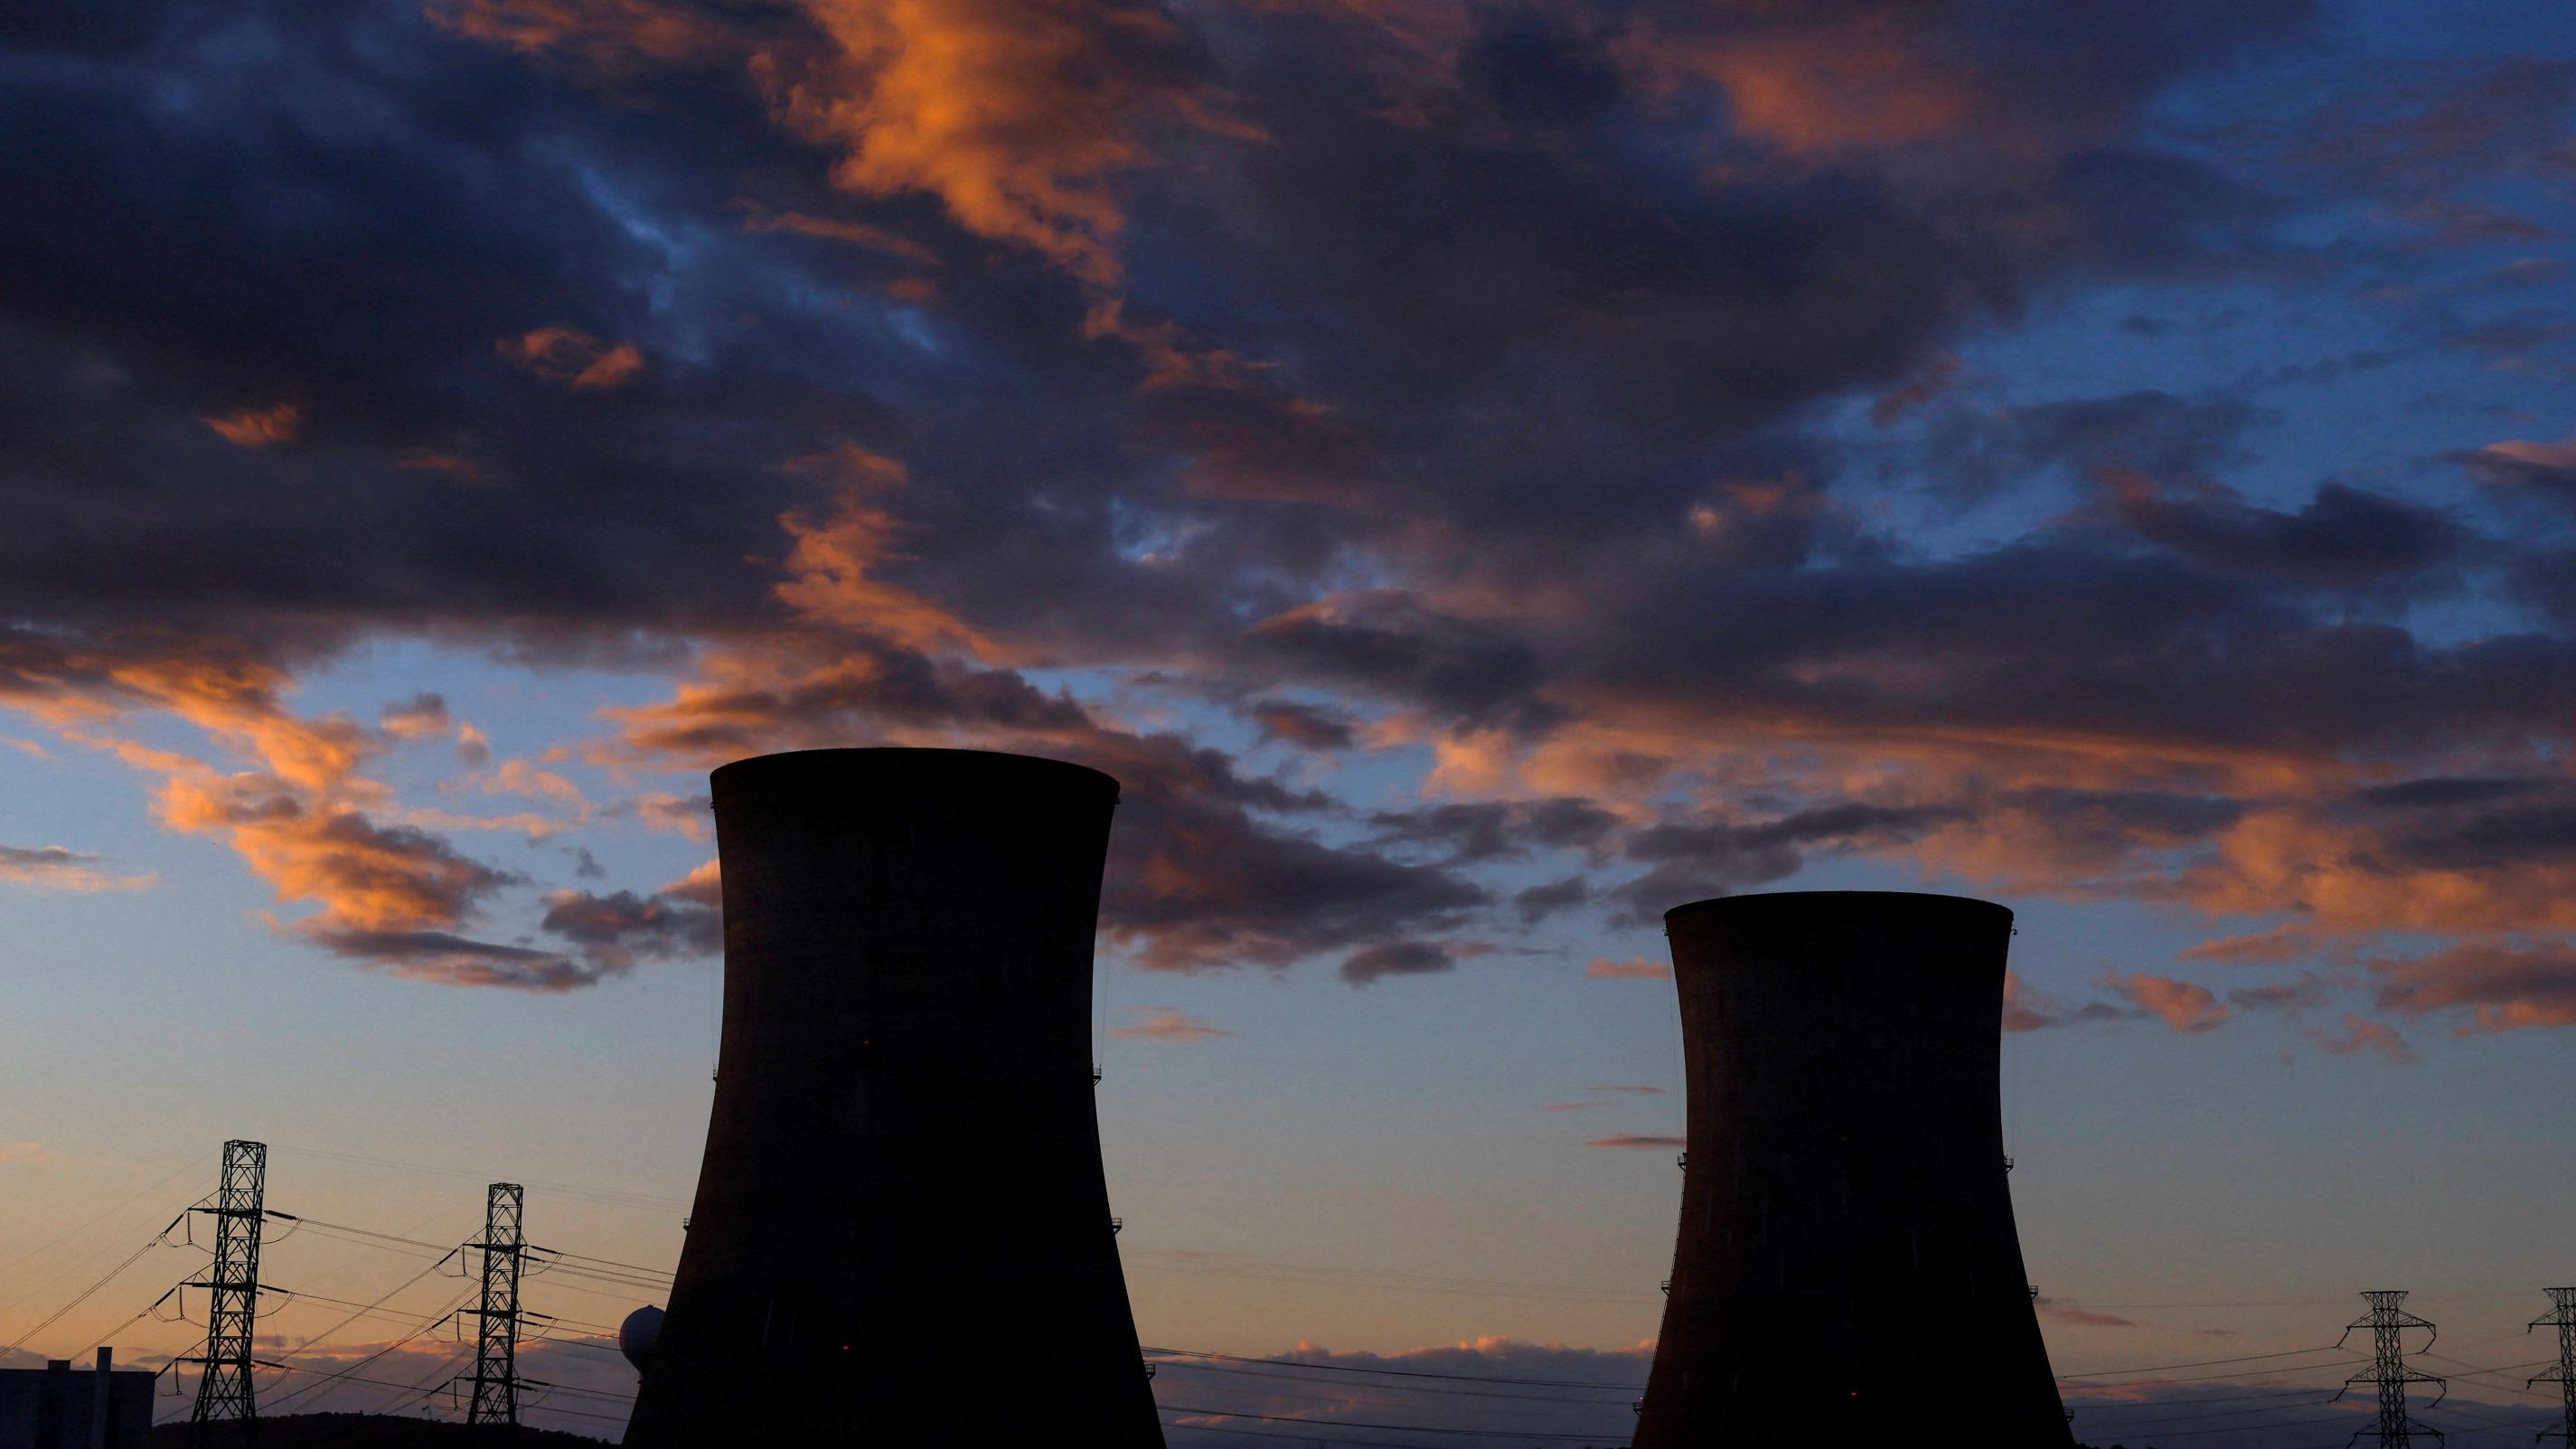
<point x="1847" y="1275"/>
<point x="902" y="1235"/>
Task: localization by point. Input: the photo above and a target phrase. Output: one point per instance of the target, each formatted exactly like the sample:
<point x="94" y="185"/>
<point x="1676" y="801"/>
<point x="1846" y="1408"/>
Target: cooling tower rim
<point x="900" y="764"/>
<point x="1782" y="902"/>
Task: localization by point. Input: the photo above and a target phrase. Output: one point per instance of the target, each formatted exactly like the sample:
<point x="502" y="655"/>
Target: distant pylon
<point x="224" y="1389"/>
<point x="2389" y="1374"/>
<point x="496" y="1354"/>
<point x="2561" y="1316"/>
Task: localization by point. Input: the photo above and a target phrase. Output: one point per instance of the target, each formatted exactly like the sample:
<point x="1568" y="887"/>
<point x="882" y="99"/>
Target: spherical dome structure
<point x="637" y="1336"/>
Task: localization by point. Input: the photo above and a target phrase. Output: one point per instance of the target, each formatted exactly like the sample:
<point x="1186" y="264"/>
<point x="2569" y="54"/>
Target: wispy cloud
<point x="1639" y="969"/>
<point x="51" y="867"/>
<point x="1169" y="1025"/>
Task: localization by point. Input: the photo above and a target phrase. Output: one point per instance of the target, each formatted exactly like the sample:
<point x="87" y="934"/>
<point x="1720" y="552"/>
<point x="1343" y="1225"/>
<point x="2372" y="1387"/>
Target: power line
<point x="1402" y="1388"/>
<point x="138" y="1195"/>
<point x="84" y="1350"/>
<point x="610" y="1196"/>
<point x="1345" y="1368"/>
<point x="83" y="1296"/>
<point x="331" y="1228"/>
<point x="610" y="1262"/>
<point x="314" y="1338"/>
<point x="2242" y="1428"/>
<point x="414" y="1388"/>
<point x="1398" y="1428"/>
<point x="2472" y="1371"/>
<point x="2125" y="1424"/>
<point x="2198" y="1363"/>
<point x="1272" y="1434"/>
<point x="346" y="1371"/>
<point x="2241" y="1376"/>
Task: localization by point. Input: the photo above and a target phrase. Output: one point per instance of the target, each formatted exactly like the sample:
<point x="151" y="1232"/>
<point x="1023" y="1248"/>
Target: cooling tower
<point x="1847" y="1275"/>
<point x="902" y="1235"/>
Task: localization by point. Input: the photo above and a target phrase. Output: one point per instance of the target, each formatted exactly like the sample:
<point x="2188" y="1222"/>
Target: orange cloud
<point x="365" y="876"/>
<point x="2180" y="1005"/>
<point x="2516" y="458"/>
<point x="2362" y="1034"/>
<point x="1640" y="969"/>
<point x="305" y="820"/>
<point x="258" y="427"/>
<point x="2506" y="987"/>
<point x="613" y="36"/>
<point x="1631" y="1139"/>
<point x="2285" y="942"/>
<point x="1812" y="84"/>
<point x="2025" y="1009"/>
<point x="454" y="465"/>
<point x="2067" y="1311"/>
<point x="831" y="564"/>
<point x="702" y="886"/>
<point x="1169" y="1024"/>
<point x="684" y="815"/>
<point x="570" y="355"/>
<point x="1014" y="113"/>
<point x="25" y="1152"/>
<point x="853" y="233"/>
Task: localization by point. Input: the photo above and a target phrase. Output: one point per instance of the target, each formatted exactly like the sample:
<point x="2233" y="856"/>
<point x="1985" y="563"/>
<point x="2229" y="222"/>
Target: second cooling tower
<point x="902" y="1232"/>
<point x="1847" y="1274"/>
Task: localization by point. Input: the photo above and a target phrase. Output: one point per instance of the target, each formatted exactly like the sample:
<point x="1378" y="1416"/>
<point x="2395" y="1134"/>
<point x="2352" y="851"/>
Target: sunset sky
<point x="1479" y="475"/>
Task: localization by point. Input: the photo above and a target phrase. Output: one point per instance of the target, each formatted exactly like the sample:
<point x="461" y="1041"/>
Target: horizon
<point x="1478" y="475"/>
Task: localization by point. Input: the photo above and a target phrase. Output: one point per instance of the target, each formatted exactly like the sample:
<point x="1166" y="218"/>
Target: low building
<point x="55" y="1408"/>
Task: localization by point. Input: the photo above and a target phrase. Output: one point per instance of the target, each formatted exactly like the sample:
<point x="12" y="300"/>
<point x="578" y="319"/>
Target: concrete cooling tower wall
<point x="902" y="1235"/>
<point x="1847" y="1274"/>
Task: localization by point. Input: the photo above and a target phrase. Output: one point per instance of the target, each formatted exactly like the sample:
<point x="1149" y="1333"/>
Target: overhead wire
<point x="1397" y="1428"/>
<point x="2471" y="1371"/>
<point x="84" y="1295"/>
<point x="121" y="1204"/>
<point x="610" y="1196"/>
<point x="1186" y="1353"/>
<point x="2131" y="1425"/>
<point x="1337" y="1440"/>
<point x="84" y="1350"/>
<point x="1249" y="1371"/>
<point x="611" y="1262"/>
<point x="2195" y="1363"/>
<point x="328" y="1378"/>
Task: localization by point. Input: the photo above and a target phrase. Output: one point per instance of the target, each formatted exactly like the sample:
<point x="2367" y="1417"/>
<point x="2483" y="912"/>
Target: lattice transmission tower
<point x="2388" y="1322"/>
<point x="496" y="1354"/>
<point x="2561" y="1316"/>
<point x="224" y="1391"/>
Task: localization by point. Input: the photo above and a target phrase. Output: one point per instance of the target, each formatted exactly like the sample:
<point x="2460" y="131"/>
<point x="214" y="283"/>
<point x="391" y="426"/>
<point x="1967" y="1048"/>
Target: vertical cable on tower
<point x="224" y="1391"/>
<point x="496" y="1353"/>
<point x="2388" y="1322"/>
<point x="2561" y="1316"/>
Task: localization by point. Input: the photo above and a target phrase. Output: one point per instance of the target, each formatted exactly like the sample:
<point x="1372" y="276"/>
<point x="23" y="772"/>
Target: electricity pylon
<point x="2389" y="1374"/>
<point x="224" y="1390"/>
<point x="2561" y="1316"/>
<point x="496" y="1353"/>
